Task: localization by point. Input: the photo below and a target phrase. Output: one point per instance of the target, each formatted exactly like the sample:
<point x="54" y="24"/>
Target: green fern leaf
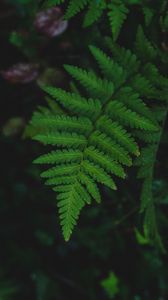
<point x="62" y="122"/>
<point x="59" y="180"/>
<point x="148" y="14"/>
<point x="104" y="161"/>
<point x="62" y="188"/>
<point x="117" y="15"/>
<point x="132" y="100"/>
<point x="97" y="87"/>
<point x="124" y="57"/>
<point x="59" y="156"/>
<point x="116" y="131"/>
<point x="106" y="64"/>
<point x="62" y="139"/>
<point x="93" y="138"/>
<point x="152" y="72"/>
<point x="105" y="143"/>
<point x="91" y="186"/>
<point x="145" y="50"/>
<point x="148" y="137"/>
<point x="74" y="7"/>
<point x="74" y="102"/>
<point x="61" y="170"/>
<point x="118" y="111"/>
<point x="94" y="12"/>
<point x="70" y="205"/>
<point x="50" y="3"/>
<point x="98" y="174"/>
<point x="143" y="86"/>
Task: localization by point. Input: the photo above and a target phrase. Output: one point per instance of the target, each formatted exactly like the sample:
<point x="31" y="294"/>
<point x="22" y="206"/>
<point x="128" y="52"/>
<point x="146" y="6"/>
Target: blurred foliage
<point x="7" y="289"/>
<point x="141" y="239"/>
<point x="109" y="255"/>
<point x="110" y="284"/>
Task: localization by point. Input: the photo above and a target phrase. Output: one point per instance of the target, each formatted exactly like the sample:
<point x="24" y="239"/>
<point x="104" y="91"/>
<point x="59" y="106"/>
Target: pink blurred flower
<point x="21" y="73"/>
<point x="50" y="22"/>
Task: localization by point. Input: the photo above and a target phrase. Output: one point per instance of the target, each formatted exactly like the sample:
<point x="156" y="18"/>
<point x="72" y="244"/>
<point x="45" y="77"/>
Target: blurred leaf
<point x="13" y="126"/>
<point x="7" y="290"/>
<point x="44" y="238"/>
<point x="110" y="284"/>
<point x="141" y="239"/>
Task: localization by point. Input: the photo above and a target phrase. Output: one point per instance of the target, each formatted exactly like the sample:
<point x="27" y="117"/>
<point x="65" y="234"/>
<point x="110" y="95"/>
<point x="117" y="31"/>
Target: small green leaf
<point x="111" y="285"/>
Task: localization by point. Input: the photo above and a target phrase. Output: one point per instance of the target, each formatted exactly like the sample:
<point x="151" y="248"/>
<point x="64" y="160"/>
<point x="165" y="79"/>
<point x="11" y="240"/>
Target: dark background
<point x="35" y="262"/>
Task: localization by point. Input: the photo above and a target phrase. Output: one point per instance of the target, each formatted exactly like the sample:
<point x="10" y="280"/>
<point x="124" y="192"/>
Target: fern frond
<point x="124" y="57"/>
<point x="152" y="72"/>
<point x="93" y="138"/>
<point x="97" y="87"/>
<point x="94" y="12"/>
<point x="117" y="15"/>
<point x="146" y="163"/>
<point x="148" y="14"/>
<point x="70" y="205"/>
<point x="74" y="7"/>
<point x="118" y="111"/>
<point x="132" y="100"/>
<point x="111" y="70"/>
<point x="143" y="86"/>
<point x="74" y="102"/>
<point x="148" y="137"/>
<point x="144" y="48"/>
<point x="116" y="11"/>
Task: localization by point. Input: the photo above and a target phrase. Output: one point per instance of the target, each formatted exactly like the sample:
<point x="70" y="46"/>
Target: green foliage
<point x="23" y="43"/>
<point x="128" y="229"/>
<point x="117" y="15"/>
<point x="95" y="137"/>
<point x="147" y="159"/>
<point x="142" y="240"/>
<point x="110" y="284"/>
<point x="8" y="289"/>
<point x="116" y="10"/>
<point x="22" y="2"/>
<point x="148" y="14"/>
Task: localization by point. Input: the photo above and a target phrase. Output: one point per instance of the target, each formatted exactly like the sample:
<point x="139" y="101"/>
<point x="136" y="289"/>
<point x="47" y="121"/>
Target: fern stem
<point x="150" y="225"/>
<point x="125" y="217"/>
<point x="159" y="138"/>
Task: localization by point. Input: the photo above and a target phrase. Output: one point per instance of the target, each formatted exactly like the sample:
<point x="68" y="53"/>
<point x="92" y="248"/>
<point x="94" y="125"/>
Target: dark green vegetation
<point x="97" y="91"/>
